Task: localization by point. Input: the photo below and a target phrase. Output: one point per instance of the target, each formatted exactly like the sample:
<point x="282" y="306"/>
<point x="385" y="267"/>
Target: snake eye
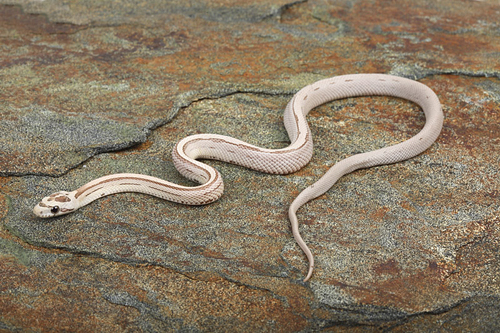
<point x="54" y="209"/>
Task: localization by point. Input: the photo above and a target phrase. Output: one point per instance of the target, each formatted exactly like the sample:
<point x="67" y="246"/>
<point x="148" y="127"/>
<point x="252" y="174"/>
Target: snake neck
<point x="208" y="192"/>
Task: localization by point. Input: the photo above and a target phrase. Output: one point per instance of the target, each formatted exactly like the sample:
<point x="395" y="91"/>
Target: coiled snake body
<point x="276" y="161"/>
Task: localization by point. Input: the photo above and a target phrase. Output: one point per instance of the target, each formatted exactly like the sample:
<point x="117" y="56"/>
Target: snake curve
<point x="275" y="161"/>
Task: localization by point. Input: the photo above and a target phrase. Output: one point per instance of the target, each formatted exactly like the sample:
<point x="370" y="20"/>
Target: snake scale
<point x="275" y="161"/>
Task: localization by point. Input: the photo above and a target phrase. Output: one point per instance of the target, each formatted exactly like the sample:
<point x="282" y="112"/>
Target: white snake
<point x="276" y="161"/>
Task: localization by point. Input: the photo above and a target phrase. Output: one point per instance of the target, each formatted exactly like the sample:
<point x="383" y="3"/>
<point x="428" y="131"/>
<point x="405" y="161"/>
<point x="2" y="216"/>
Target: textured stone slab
<point x="92" y="88"/>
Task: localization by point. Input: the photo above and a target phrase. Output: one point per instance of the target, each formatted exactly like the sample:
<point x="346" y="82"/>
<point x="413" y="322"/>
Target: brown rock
<point x="90" y="88"/>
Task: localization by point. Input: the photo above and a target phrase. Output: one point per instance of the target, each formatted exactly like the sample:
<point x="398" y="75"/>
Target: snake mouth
<point x="39" y="211"/>
<point x="47" y="212"/>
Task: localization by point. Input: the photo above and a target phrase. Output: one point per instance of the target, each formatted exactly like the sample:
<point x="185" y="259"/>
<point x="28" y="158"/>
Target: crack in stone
<point x="97" y="255"/>
<point x="183" y="102"/>
<point x="146" y="263"/>
<point x="180" y="104"/>
<point x="206" y="12"/>
<point x="280" y="10"/>
<point x="438" y="311"/>
<point x="152" y="310"/>
<point x="75" y="28"/>
<point x="373" y="316"/>
<point x="386" y="319"/>
<point x="90" y="152"/>
<point x="418" y="73"/>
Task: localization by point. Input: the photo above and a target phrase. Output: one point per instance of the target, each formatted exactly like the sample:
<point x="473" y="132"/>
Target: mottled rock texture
<point x="93" y="87"/>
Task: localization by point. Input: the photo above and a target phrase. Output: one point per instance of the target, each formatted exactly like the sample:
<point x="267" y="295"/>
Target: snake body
<point x="275" y="161"/>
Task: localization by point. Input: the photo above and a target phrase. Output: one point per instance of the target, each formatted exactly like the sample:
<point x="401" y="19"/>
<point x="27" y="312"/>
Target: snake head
<point x="56" y="204"/>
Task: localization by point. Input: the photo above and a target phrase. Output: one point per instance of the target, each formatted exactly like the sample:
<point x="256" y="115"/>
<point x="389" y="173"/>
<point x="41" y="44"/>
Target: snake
<point x="189" y="150"/>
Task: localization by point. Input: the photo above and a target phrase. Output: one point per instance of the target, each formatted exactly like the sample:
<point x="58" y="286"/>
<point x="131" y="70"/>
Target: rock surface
<point x="90" y="88"/>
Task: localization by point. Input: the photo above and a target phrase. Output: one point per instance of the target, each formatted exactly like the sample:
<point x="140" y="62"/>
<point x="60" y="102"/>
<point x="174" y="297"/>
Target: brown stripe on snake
<point x="170" y="193"/>
<point x="294" y="112"/>
<point x="180" y="195"/>
<point x="298" y="130"/>
<point x="257" y="149"/>
<point x="97" y="189"/>
<point x="193" y="165"/>
<point x="85" y="188"/>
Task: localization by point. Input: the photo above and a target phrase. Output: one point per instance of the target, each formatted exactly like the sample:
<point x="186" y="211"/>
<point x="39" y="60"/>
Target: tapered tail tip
<point x="310" y="273"/>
